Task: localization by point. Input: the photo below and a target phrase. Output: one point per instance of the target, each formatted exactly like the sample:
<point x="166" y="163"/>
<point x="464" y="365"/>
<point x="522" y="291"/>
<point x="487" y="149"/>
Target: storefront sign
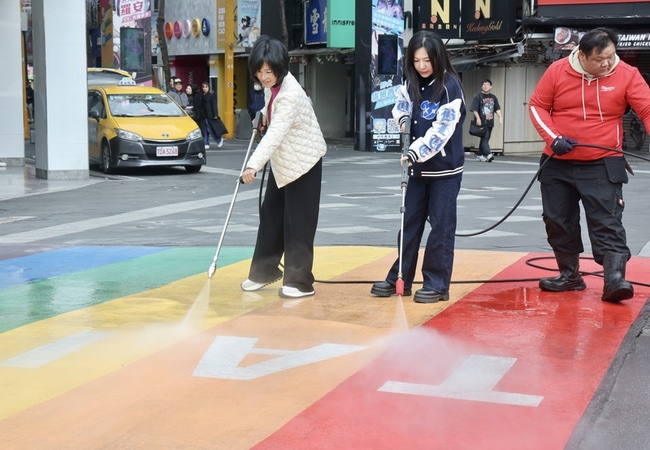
<point x="205" y="27"/>
<point x="634" y="40"/>
<point x="196" y="28"/>
<point x="340" y="26"/>
<point x="488" y="19"/>
<point x="441" y="17"/>
<point x="169" y="30"/>
<point x="315" y="22"/>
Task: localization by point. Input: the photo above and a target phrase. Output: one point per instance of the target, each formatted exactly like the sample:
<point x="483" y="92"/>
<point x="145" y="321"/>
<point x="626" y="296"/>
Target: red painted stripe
<point x="562" y="342"/>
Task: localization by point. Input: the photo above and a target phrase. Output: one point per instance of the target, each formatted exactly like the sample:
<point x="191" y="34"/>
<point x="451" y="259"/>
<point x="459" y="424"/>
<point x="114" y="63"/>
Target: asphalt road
<point x="360" y="204"/>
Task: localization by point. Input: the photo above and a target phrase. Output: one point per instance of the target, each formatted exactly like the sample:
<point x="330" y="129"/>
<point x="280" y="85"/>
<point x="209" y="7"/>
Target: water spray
<point x="256" y="124"/>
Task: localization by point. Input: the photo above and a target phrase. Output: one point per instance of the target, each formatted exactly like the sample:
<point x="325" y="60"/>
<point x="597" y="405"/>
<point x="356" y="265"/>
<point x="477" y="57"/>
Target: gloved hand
<point x="562" y="145"/>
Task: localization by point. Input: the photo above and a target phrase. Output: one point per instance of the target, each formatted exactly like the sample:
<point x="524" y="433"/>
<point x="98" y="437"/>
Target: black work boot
<point x="569" y="278"/>
<point x="616" y="288"/>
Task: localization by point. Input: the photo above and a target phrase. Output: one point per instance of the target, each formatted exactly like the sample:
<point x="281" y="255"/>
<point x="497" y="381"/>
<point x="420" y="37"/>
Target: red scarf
<point x="274" y="93"/>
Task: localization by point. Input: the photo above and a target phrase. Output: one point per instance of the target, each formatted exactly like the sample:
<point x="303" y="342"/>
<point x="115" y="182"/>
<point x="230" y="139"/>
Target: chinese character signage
<point x="316" y="22"/>
<point x="442" y="16"/>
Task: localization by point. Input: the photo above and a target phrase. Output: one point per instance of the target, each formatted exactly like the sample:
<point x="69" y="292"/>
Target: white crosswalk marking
<point x="473" y="381"/>
<point x="48" y="353"/>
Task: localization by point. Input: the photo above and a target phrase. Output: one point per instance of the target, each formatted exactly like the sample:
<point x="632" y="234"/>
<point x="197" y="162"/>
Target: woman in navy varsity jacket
<point x="432" y="96"/>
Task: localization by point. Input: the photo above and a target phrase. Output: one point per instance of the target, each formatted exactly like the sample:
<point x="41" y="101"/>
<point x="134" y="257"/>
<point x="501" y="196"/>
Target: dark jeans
<point x="288" y="221"/>
<point x="208" y="131"/>
<point x="435" y="199"/>
<point x="566" y="183"/>
<point x="484" y="144"/>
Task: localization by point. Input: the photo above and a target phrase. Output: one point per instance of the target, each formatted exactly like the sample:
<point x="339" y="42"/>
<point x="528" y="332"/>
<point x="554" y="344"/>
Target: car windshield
<point x="143" y="105"/>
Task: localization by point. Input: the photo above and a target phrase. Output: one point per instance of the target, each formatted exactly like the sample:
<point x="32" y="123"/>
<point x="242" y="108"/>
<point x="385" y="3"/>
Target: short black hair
<point x="487" y="80"/>
<point x="271" y="52"/>
<point x="598" y="39"/>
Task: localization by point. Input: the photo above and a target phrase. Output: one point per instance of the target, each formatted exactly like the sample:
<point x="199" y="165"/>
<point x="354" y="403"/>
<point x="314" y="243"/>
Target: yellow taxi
<point x="138" y="126"/>
<point x="104" y="75"/>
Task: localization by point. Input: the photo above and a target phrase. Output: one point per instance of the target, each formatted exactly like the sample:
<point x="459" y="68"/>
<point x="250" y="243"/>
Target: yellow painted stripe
<point x="139" y="325"/>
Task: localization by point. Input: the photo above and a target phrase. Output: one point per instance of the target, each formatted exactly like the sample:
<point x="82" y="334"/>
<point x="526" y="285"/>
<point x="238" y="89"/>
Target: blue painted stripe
<point x="26" y="269"/>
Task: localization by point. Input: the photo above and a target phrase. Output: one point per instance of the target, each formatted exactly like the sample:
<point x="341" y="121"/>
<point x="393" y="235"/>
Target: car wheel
<point x="193" y="169"/>
<point x="107" y="163"/>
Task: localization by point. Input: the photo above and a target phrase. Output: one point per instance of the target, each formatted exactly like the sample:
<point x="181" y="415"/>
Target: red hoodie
<point x="567" y="103"/>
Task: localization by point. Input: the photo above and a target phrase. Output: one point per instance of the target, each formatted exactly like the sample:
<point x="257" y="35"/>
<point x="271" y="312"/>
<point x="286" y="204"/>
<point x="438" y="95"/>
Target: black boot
<point x="569" y="278"/>
<point x="616" y="288"/>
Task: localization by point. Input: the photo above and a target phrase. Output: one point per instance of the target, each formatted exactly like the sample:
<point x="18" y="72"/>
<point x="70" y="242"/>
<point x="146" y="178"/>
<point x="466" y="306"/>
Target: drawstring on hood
<point x="575" y="65"/>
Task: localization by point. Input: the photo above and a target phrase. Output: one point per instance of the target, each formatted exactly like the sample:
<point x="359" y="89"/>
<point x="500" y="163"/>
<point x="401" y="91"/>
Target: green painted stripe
<point x="31" y="302"/>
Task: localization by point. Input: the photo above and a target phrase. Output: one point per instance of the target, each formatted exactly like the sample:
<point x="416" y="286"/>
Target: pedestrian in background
<point x="432" y="96"/>
<point x="581" y="100"/>
<point x="484" y="106"/>
<point x="194" y="101"/>
<point x="295" y="146"/>
<point x="209" y="117"/>
<point x="30" y="100"/>
<point x="255" y="99"/>
<point x="178" y="94"/>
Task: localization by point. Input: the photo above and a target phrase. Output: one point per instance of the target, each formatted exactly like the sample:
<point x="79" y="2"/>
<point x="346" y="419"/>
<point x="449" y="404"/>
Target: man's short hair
<point x="598" y="39"/>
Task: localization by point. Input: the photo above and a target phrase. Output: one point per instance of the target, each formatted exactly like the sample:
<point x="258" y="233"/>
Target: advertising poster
<point x="566" y="38"/>
<point x="106" y="32"/>
<point x="132" y="14"/>
<point x="386" y="72"/>
<point x="248" y="22"/>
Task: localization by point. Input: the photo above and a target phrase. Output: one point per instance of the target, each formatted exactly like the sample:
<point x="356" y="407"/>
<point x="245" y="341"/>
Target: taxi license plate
<point x="167" y="151"/>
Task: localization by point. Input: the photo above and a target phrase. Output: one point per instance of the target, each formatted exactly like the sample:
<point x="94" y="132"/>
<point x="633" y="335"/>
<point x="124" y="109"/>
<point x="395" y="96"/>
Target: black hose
<point x="528" y="262"/>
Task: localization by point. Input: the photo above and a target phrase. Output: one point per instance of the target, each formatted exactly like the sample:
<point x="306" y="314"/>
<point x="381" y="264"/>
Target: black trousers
<point x="484" y="143"/>
<point x="599" y="186"/>
<point x="288" y="221"/>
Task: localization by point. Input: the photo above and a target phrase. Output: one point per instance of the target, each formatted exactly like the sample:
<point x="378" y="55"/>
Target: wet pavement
<point x="112" y="335"/>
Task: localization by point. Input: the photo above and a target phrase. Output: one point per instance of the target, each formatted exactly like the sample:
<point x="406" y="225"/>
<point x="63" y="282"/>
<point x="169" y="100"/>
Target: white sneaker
<point x="292" y="292"/>
<point x="481" y="158"/>
<point x="490" y="157"/>
<point x="220" y="143"/>
<point x="206" y="146"/>
<point x="249" y="285"/>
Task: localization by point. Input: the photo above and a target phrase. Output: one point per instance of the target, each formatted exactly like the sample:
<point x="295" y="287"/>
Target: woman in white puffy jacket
<point x="294" y="145"/>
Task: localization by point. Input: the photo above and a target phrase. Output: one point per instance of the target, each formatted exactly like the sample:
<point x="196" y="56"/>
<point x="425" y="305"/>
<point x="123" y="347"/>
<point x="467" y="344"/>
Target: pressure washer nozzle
<point x="212" y="270"/>
<point x="399" y="287"/>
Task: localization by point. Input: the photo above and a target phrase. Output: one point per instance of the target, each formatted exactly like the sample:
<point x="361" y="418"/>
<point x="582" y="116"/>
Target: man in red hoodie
<point x="580" y="100"/>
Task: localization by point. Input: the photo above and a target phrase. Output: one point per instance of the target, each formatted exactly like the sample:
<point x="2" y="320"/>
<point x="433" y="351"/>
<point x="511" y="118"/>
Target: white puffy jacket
<point x="293" y="142"/>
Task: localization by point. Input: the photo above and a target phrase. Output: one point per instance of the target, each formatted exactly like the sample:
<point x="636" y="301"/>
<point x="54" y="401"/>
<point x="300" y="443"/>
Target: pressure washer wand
<point x="406" y="141"/>
<point x="256" y="124"/>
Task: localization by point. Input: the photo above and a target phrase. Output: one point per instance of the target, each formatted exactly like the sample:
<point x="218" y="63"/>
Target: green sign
<point x="340" y="23"/>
